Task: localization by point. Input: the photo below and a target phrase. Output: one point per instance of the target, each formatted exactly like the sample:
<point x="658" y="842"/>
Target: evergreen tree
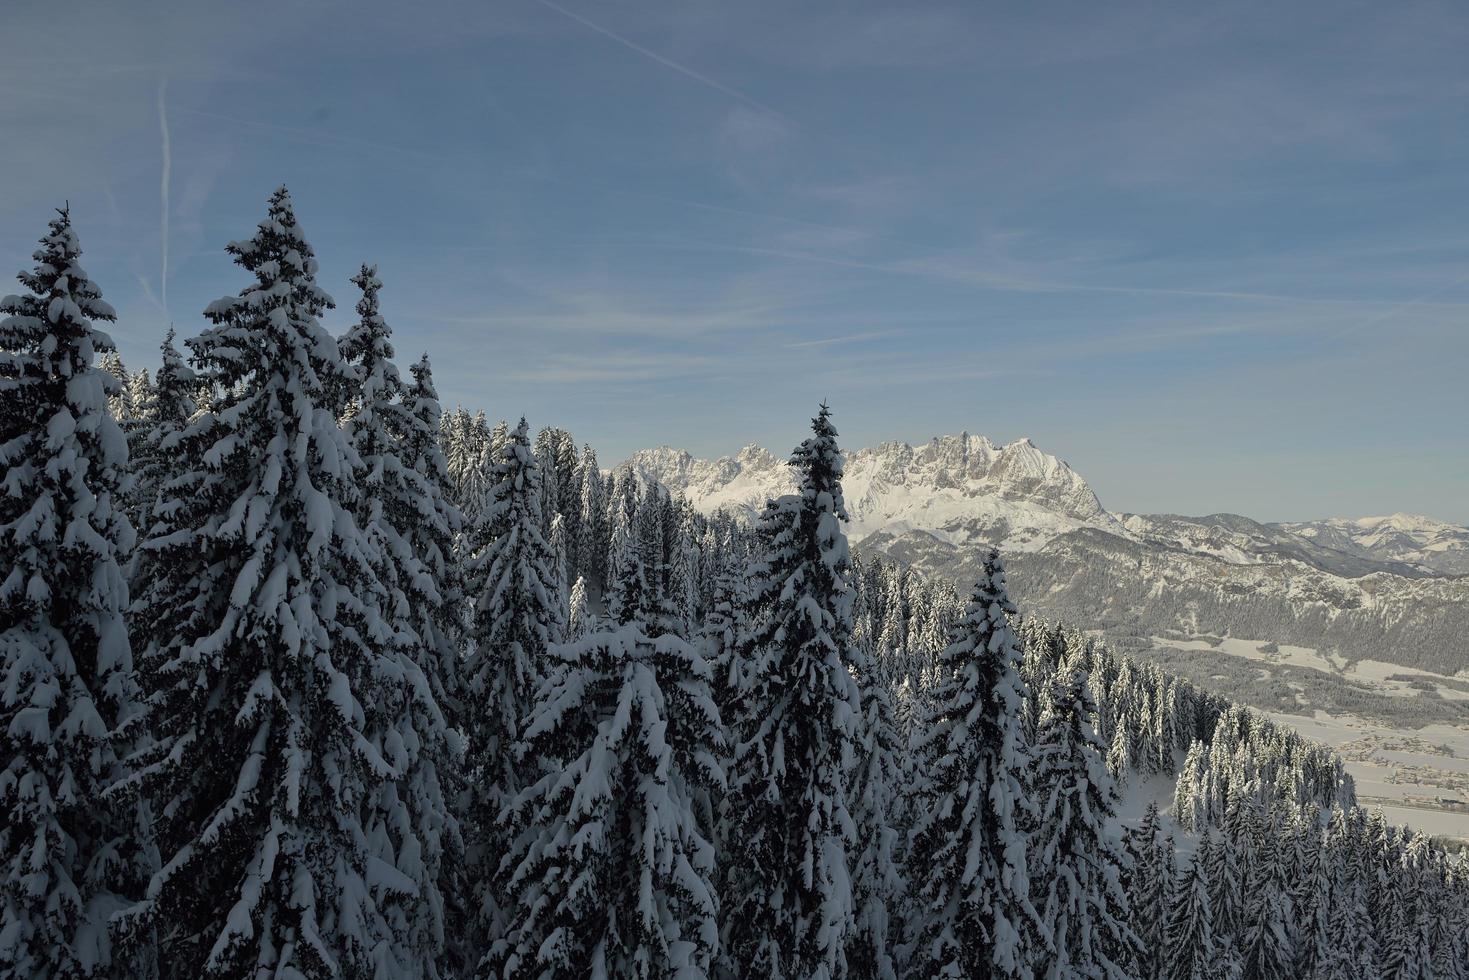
<point x="973" y="915"/>
<point x="594" y="541"/>
<point x="723" y="631"/>
<point x="578" y="612"/>
<point x="611" y="874"/>
<point x="155" y="444"/>
<point x="877" y="886"/>
<point x="430" y="530"/>
<point x="266" y="653"/>
<point x="1267" y="949"/>
<point x="68" y="694"/>
<point x="409" y="824"/>
<point x="119" y="405"/>
<point x="1226" y="892"/>
<point x="789" y="906"/>
<point x="1190" y="951"/>
<point x="1150" y="892"/>
<point x="1079" y="860"/>
<point x="518" y="612"/>
<point x="1310" y="894"/>
<point x="629" y="593"/>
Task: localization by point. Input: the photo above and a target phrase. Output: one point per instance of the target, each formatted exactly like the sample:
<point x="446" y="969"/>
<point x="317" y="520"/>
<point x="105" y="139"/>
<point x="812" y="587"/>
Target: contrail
<point x="1401" y="308"/>
<point x="667" y="62"/>
<point x="163" y="185"/>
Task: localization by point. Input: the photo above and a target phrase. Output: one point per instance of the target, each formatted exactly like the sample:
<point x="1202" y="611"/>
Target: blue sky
<point x="1214" y="255"/>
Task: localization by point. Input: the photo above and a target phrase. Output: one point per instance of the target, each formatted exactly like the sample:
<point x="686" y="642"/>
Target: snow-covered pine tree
<point x="578" y="612"/>
<point x="1150" y="892"/>
<point x="719" y="642"/>
<point x="1191" y="950"/>
<point x="680" y="591"/>
<point x="1267" y="950"/>
<point x="878" y="889"/>
<point x="140" y="394"/>
<point x="518" y="613"/>
<point x="722" y="636"/>
<point x="68" y="693"/>
<point x="265" y="650"/>
<point x="119" y="406"/>
<point x="1226" y="895"/>
<point x="592" y="545"/>
<point x="1310" y="892"/>
<point x="154" y="444"/>
<point x="628" y="589"/>
<point x="611" y="875"/>
<point x="973" y="915"/>
<point x="1079" y="861"/>
<point x="789" y="901"/>
<point x="430" y="529"/>
<point x="656" y="611"/>
<point x="558" y="543"/>
<point x="409" y="823"/>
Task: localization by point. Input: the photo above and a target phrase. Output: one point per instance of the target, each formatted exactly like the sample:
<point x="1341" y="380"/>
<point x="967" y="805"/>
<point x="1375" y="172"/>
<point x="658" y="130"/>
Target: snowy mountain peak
<point x="962" y="489"/>
<point x="1409" y="538"/>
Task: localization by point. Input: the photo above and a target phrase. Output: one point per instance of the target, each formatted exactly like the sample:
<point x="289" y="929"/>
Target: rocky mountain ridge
<point x="1378" y="588"/>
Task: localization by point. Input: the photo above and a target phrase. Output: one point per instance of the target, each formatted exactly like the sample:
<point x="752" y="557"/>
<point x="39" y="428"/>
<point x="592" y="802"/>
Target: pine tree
<point x="68" y="693"/>
<point x="409" y="824"/>
<point x="578" y="612"/>
<point x="430" y="530"/>
<point x="1226" y="892"/>
<point x="119" y="406"/>
<point x="1267" y="949"/>
<point x="877" y="887"/>
<point x="789" y="907"/>
<point x="1191" y="950"/>
<point x="611" y="874"/>
<point x="629" y="598"/>
<point x="266" y="649"/>
<point x="518" y="612"/>
<point x="556" y="540"/>
<point x="1079" y="861"/>
<point x="1310" y="894"/>
<point x="974" y="915"/>
<point x="594" y="539"/>
<point x="155" y="444"/>
<point x="1150" y="891"/>
<point x="723" y="631"/>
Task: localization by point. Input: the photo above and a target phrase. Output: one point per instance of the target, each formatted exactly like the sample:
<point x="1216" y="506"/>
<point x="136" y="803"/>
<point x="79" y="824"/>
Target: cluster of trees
<point x="379" y="691"/>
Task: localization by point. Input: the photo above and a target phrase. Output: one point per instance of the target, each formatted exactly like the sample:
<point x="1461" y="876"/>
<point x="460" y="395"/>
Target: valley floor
<point x="1404" y="733"/>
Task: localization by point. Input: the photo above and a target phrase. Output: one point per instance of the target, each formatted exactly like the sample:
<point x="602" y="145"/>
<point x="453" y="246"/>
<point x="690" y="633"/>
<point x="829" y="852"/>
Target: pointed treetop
<point x="278" y="252"/>
<point x="366" y="342"/>
<point x="367" y="281"/>
<point x="58" y="275"/>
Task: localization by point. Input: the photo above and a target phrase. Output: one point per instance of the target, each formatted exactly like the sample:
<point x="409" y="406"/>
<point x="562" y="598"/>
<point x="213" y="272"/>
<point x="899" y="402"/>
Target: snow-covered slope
<point x="963" y="490"/>
<point x="1406" y="538"/>
<point x="1374" y="589"/>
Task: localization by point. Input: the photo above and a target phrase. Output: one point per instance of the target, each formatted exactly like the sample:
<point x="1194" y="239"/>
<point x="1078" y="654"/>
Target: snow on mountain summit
<point x="1409" y="538"/>
<point x="960" y="489"/>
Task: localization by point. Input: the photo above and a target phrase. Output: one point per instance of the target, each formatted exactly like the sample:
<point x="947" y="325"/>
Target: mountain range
<point x="1386" y="588"/>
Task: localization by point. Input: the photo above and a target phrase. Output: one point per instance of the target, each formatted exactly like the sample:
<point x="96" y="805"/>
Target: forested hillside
<point x="304" y="677"/>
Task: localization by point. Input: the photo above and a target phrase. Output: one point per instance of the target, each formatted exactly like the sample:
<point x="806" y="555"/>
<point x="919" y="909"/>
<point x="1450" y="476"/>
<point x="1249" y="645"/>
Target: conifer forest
<point x="304" y="675"/>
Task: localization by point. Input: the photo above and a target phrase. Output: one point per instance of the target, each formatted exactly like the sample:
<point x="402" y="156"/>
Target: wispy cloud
<point x="166" y="153"/>
<point x="666" y="62"/>
<point x="851" y="338"/>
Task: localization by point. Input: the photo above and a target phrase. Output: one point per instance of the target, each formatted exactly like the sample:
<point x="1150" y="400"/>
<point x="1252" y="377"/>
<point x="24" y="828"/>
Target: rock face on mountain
<point x="963" y="489"/>
<point x="1377" y="588"/>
